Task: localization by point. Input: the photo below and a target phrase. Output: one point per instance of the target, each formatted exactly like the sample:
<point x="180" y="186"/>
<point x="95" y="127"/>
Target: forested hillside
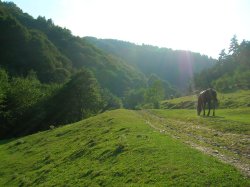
<point x="55" y="54"/>
<point x="232" y="70"/>
<point x="176" y="67"/>
<point x="43" y="65"/>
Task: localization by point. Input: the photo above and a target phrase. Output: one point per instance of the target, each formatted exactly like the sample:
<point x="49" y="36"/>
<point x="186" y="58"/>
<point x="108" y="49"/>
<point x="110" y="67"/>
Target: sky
<point x="204" y="26"/>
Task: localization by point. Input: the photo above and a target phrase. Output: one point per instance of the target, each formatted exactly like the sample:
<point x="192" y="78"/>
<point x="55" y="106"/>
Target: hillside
<point x="55" y="54"/>
<point x="112" y="149"/>
<point x="174" y="66"/>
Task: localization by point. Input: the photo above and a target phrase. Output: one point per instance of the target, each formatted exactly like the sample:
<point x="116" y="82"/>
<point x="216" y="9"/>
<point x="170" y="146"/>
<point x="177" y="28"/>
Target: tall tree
<point x="155" y="93"/>
<point x="234" y="46"/>
<point x="222" y="55"/>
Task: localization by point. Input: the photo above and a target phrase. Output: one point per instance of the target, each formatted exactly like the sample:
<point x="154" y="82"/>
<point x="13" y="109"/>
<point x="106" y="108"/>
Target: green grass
<point x="226" y="120"/>
<point x="236" y="99"/>
<point x="116" y="148"/>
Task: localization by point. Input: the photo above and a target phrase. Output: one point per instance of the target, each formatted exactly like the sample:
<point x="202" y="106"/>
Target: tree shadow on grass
<point x="219" y="117"/>
<point x="2" y="142"/>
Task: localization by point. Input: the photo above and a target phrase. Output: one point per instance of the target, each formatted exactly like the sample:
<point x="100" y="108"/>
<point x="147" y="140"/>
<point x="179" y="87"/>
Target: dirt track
<point x="230" y="148"/>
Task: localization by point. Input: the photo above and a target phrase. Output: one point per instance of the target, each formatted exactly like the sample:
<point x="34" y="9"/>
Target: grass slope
<point x="236" y="99"/>
<point x="115" y="148"/>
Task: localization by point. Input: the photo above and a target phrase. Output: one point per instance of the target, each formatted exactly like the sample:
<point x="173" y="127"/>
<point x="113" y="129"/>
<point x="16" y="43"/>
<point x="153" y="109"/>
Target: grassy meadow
<point x="116" y="148"/>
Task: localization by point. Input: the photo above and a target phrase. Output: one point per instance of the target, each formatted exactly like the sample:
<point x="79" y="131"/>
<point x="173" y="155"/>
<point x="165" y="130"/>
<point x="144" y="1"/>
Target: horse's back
<point x="202" y="92"/>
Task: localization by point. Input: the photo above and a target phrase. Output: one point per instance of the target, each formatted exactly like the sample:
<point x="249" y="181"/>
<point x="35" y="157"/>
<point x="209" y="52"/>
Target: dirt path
<point x="230" y="148"/>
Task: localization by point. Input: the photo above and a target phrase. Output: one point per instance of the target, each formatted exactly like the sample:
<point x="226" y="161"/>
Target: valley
<point x="86" y="111"/>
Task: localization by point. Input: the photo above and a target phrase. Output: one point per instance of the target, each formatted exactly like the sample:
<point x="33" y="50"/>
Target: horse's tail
<point x="199" y="105"/>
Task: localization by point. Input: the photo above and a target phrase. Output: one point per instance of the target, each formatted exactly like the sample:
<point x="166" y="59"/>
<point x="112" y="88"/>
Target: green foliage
<point x="135" y="98"/>
<point x="151" y="96"/>
<point x="155" y="93"/>
<point x="31" y="106"/>
<point x="115" y="148"/>
<point x="78" y="99"/>
<point x="110" y="101"/>
<point x="4" y="85"/>
<point x="231" y="71"/>
<point x="23" y="93"/>
<point x="19" y="96"/>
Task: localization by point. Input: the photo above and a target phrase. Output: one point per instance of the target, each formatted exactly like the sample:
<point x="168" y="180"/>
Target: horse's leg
<point x="209" y="107"/>
<point x="213" y="109"/>
<point x="204" y="108"/>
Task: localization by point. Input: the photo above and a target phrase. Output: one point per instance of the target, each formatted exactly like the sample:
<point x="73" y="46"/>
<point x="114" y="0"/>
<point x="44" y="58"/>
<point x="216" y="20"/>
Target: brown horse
<point x="209" y="97"/>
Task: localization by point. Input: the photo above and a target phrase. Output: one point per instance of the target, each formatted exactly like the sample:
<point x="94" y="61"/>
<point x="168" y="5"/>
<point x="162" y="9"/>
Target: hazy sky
<point x="204" y="26"/>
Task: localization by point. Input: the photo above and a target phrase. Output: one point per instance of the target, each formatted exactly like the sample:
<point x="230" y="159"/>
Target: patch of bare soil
<point x="230" y="148"/>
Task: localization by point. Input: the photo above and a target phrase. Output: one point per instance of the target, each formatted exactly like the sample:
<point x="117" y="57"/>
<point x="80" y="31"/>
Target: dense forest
<point x="48" y="77"/>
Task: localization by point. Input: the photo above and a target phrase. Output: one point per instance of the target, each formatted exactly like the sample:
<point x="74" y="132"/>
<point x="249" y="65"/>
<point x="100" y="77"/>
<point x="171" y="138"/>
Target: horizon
<point x="205" y="27"/>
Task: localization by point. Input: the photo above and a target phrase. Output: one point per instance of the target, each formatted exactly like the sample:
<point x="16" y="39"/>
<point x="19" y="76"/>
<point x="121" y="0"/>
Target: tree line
<point x="231" y="71"/>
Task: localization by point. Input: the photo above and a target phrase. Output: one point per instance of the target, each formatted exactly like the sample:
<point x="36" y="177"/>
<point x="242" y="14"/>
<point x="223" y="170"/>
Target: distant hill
<point x="174" y="66"/>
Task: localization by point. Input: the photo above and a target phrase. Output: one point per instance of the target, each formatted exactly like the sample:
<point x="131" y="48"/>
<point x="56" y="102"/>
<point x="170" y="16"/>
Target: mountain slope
<point x="55" y="54"/>
<point x="174" y="66"/>
<point x="114" y="148"/>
